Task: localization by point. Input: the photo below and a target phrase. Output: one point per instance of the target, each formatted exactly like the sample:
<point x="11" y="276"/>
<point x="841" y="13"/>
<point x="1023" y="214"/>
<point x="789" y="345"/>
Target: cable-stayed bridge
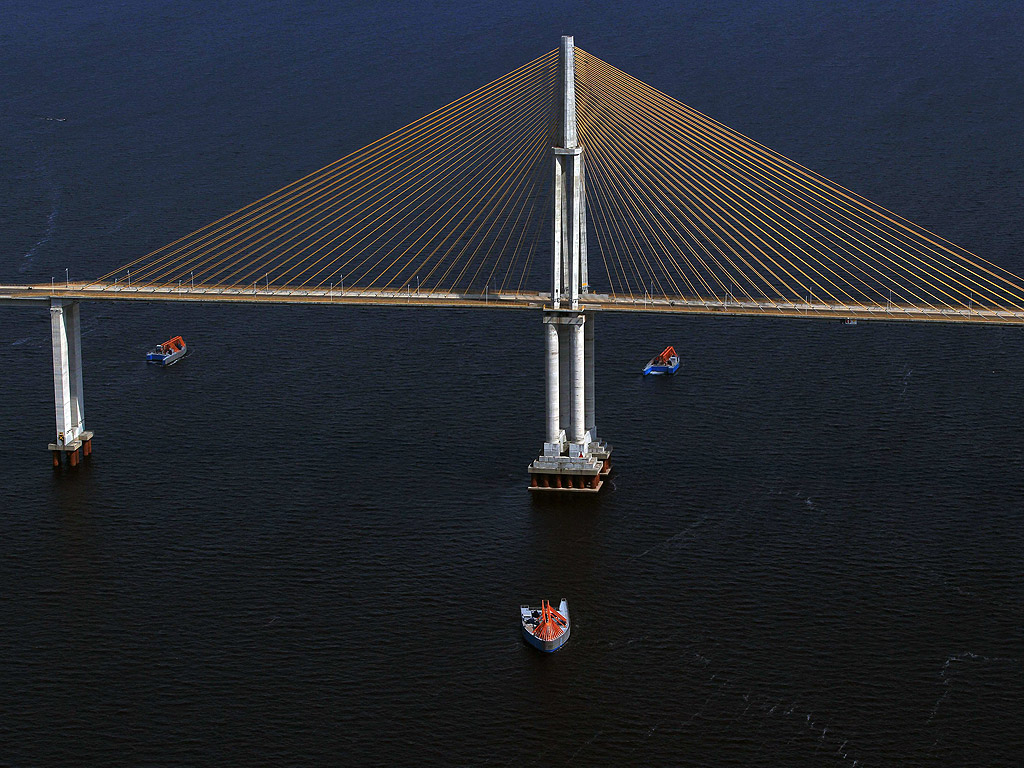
<point x="565" y="186"/>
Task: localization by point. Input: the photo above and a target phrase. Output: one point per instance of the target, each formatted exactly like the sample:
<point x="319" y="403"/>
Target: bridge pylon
<point x="573" y="459"/>
<point x="72" y="439"/>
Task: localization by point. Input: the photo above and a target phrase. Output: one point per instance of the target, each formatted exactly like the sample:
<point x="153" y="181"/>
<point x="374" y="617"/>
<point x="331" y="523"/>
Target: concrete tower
<point x="573" y="459"/>
<point x="66" y="335"/>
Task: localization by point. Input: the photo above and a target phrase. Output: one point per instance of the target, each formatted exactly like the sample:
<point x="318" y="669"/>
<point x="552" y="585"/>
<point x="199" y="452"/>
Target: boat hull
<point x="660" y="370"/>
<point x="161" y="359"/>
<point x="547" y="646"/>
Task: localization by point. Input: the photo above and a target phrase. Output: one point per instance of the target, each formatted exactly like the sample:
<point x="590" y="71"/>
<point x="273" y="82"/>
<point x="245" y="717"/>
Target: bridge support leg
<point x="580" y="439"/>
<point x="564" y="379"/>
<point x="567" y="463"/>
<point x="553" y="441"/>
<point x="598" y="448"/>
<point x="69" y="404"/>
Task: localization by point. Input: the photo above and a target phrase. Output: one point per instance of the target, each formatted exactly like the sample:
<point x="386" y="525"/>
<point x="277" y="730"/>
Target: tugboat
<point x="168" y="353"/>
<point x="545" y="628"/>
<point x="667" y="362"/>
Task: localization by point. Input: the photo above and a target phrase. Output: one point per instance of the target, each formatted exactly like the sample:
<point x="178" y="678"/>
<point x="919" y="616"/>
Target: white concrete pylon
<point x="567" y="92"/>
<point x="66" y="339"/>
<point x="61" y="372"/>
<point x="551" y="383"/>
<point x="579" y="427"/>
<point x="564" y="378"/>
<point x="571" y="461"/>
<point x="73" y="326"/>
<point x="569" y="257"/>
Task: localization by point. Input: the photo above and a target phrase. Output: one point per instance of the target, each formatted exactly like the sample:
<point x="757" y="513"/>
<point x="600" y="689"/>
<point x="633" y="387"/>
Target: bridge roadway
<point x="40" y="294"/>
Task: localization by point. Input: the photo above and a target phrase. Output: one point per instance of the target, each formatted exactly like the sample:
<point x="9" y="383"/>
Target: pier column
<point x="73" y="326"/>
<point x="597" y="447"/>
<point x="61" y="372"/>
<point x="568" y="250"/>
<point x="554" y="440"/>
<point x="565" y="380"/>
<point x="68" y="394"/>
<point x="579" y="428"/>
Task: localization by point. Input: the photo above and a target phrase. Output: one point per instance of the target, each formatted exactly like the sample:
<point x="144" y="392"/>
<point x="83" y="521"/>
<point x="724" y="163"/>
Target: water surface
<point x="287" y="549"/>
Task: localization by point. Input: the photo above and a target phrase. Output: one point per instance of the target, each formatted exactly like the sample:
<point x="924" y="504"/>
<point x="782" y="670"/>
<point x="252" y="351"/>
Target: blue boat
<point x="168" y="353"/>
<point x="665" y="363"/>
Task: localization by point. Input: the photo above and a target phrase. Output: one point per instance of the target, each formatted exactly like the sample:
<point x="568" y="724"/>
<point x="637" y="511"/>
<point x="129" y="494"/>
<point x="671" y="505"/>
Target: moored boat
<point x="545" y="628"/>
<point x="168" y="353"/>
<point x="666" y="362"/>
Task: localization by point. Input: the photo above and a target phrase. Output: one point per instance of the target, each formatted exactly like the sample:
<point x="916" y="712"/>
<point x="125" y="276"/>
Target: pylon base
<point x="81" y="443"/>
<point x="567" y="477"/>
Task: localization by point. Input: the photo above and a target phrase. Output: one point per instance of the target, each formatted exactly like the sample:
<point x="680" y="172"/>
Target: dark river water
<point x="307" y="543"/>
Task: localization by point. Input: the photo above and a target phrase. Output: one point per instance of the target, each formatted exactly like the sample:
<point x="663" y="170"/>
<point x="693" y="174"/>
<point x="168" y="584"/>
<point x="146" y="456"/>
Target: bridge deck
<point x="41" y="294"/>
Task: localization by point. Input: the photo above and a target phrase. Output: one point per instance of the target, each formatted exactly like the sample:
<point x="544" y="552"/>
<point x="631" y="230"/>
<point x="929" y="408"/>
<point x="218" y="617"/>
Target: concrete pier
<point x="72" y="440"/>
<point x="578" y="426"/>
<point x="564" y="378"/>
<point x="552" y="384"/>
<point x="598" y="449"/>
<point x="575" y="462"/>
